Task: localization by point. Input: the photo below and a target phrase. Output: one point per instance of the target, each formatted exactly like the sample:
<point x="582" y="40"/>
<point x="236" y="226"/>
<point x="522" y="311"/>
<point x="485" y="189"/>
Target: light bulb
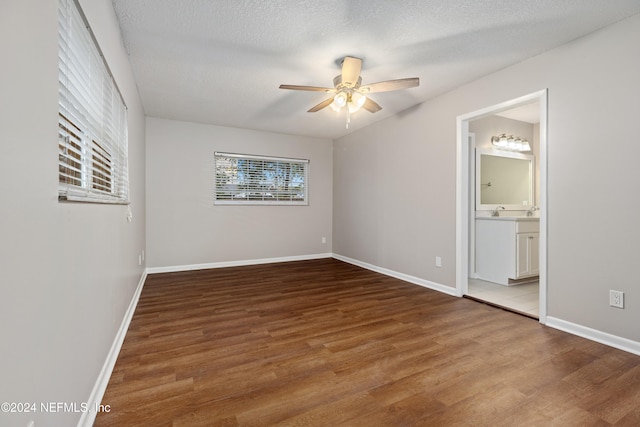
<point x="340" y="99"/>
<point x="518" y="144"/>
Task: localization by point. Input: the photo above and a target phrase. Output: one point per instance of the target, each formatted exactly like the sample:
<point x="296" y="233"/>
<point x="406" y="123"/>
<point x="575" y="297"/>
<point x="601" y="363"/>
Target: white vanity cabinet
<point x="507" y="248"/>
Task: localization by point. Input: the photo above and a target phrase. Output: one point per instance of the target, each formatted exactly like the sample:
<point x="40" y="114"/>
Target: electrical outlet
<point x="140" y="259"/>
<point x="616" y="299"/>
<point x="324" y="240"/>
<point x="438" y="261"/>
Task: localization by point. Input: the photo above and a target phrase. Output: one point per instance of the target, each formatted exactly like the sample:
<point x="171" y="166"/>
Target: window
<point x="92" y="117"/>
<point x="247" y="179"/>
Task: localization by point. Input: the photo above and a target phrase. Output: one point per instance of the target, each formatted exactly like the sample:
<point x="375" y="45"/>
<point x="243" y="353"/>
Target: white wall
<point x="67" y="271"/>
<point x="394" y="192"/>
<point x="185" y="228"/>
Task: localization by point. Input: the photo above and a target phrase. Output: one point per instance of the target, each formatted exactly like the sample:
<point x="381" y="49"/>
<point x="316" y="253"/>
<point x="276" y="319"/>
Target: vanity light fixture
<point x="510" y="143"/>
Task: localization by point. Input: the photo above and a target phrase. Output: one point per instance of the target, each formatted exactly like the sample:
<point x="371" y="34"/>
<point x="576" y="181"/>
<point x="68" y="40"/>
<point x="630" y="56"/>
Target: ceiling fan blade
<point x="320" y="106"/>
<point x="371" y="106"/>
<point x="390" y="85"/>
<point x="351" y="70"/>
<point x="308" y="88"/>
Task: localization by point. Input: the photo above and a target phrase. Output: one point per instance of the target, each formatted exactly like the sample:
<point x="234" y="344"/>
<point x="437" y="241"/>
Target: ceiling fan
<point x="349" y="92"/>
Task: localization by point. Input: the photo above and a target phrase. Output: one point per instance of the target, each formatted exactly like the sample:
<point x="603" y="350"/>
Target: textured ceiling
<point x="221" y="61"/>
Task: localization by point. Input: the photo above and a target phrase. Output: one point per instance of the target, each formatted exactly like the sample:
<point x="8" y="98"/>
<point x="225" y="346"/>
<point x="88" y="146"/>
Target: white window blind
<point x="92" y="120"/>
<point x="249" y="179"/>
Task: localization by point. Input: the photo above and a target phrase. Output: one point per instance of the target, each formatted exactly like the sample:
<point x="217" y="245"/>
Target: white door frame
<point x="463" y="192"/>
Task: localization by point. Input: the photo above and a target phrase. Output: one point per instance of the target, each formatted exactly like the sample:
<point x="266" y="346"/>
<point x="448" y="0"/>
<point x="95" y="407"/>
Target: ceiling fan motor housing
<point x="340" y="85"/>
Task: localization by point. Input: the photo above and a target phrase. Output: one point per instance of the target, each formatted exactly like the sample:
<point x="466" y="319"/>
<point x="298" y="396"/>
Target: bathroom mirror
<point x="504" y="179"/>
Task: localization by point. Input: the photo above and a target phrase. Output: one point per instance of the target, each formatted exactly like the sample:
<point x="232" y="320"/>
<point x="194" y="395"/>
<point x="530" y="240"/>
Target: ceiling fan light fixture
<point x="339" y="101"/>
<point x="356" y="101"/>
<point x="359" y="99"/>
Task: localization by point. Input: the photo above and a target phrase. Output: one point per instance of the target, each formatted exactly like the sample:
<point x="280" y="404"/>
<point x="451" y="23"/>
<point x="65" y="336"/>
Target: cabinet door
<point x="527" y="254"/>
<point x="534" y="254"/>
<point x="522" y="255"/>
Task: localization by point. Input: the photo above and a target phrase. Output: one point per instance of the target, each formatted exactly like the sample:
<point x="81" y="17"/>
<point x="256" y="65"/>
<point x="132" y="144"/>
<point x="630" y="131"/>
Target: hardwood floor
<point x="325" y="343"/>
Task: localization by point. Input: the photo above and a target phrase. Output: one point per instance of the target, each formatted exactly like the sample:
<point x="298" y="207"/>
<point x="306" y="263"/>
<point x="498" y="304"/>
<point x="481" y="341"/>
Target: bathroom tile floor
<point x="523" y="298"/>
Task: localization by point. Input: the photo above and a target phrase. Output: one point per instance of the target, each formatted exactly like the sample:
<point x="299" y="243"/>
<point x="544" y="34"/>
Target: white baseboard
<point x="189" y="267"/>
<point x="594" y="335"/>
<point x="407" y="278"/>
<point x="88" y="417"/>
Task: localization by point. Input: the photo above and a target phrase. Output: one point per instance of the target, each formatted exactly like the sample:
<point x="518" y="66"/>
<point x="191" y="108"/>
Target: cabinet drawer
<point x="527" y="227"/>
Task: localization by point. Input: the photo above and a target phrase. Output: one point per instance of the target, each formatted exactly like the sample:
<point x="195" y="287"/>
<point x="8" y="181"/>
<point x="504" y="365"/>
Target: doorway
<point x="466" y="192"/>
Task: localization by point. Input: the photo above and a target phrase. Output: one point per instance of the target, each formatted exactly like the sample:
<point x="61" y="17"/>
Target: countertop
<point x="509" y="218"/>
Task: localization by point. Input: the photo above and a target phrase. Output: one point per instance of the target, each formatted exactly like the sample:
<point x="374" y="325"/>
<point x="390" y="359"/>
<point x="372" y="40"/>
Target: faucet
<point x="532" y="210"/>
<point x="496" y="211"/>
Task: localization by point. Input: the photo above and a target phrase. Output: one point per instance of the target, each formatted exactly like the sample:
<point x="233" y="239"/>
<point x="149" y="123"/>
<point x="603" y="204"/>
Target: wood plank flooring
<point x="325" y="343"/>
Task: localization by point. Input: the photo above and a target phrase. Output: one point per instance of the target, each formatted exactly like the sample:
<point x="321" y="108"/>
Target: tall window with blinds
<point x="248" y="179"/>
<point x="92" y="117"/>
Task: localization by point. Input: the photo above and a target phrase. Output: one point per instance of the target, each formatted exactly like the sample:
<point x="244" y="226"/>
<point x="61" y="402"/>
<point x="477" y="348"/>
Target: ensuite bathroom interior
<point x="505" y="219"/>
